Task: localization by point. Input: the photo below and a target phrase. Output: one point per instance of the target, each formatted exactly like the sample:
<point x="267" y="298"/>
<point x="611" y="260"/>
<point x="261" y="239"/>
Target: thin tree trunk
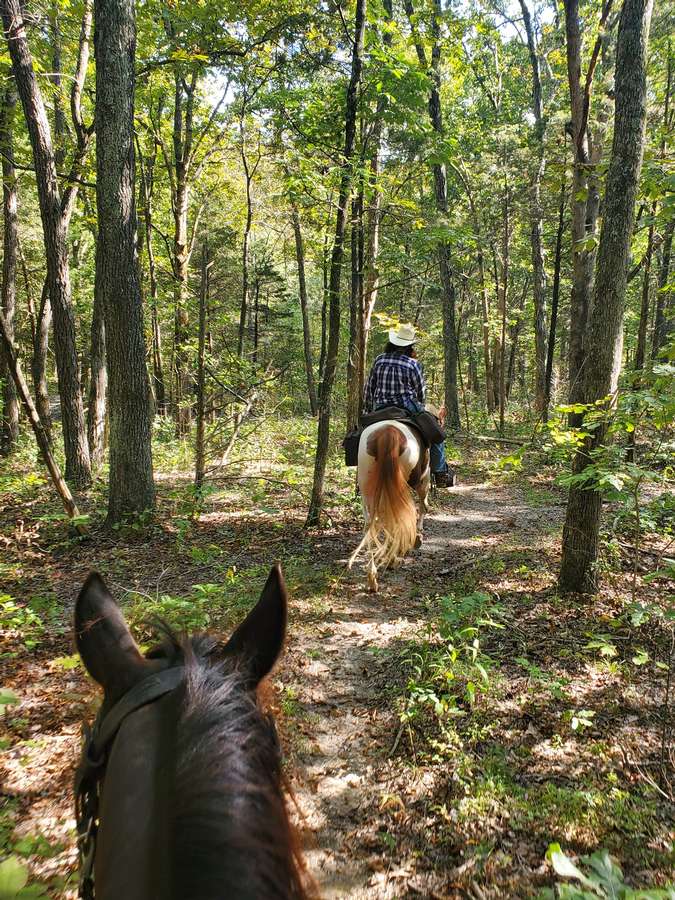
<point x="537" y="221"/>
<point x="9" y="430"/>
<point x="10" y="354"/>
<point x="304" y="309"/>
<point x="371" y="273"/>
<point x="662" y="326"/>
<point x="182" y="156"/>
<point x="78" y="468"/>
<point x="585" y="190"/>
<point x="249" y="174"/>
<point x="131" y="488"/>
<point x="98" y="384"/>
<point x="39" y="360"/>
<point x="605" y="338"/>
<point x="351" y="106"/>
<point x="641" y="349"/>
<point x="147" y="171"/>
<point x="200" y="455"/>
<point x="506" y="235"/>
<point x="355" y="313"/>
<point x="443" y="253"/>
<point x="555" y="295"/>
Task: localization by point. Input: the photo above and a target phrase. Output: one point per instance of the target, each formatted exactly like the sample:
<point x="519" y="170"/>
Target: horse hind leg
<point x="372" y="574"/>
<point x="422" y="491"/>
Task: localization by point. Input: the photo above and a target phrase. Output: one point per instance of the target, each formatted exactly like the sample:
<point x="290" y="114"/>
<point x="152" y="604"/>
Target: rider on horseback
<point x="396" y="379"/>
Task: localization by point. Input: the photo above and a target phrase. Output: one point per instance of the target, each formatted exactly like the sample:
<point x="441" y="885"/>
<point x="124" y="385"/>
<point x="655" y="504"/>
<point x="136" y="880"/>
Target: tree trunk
<point x="78" y="468"/>
<point x="555" y="295"/>
<point x="605" y="338"/>
<point x="450" y="350"/>
<point x="131" y="488"/>
<point x="537" y="221"/>
<point x="506" y="237"/>
<point x="585" y="196"/>
<point x="9" y="352"/>
<point x="9" y="430"/>
<point x="662" y="322"/>
<point x="641" y="349"/>
<point x="39" y="360"/>
<point x="351" y="105"/>
<point x="662" y="326"/>
<point x="249" y="172"/>
<point x="147" y="170"/>
<point x="98" y="384"/>
<point x="182" y="397"/>
<point x="182" y="157"/>
<point x="304" y="309"/>
<point x="200" y="454"/>
<point x="371" y="273"/>
<point x="355" y="314"/>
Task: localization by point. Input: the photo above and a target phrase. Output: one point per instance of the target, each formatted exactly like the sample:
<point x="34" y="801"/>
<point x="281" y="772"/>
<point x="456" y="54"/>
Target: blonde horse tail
<point x="392" y="517"/>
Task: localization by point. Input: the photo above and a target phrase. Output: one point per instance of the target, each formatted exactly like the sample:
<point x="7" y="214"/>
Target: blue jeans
<point x="436" y="451"/>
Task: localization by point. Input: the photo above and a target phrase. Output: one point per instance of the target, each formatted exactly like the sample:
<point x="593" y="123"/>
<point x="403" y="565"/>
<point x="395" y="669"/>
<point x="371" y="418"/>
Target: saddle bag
<point x="350" y="445"/>
<point x="429" y="427"/>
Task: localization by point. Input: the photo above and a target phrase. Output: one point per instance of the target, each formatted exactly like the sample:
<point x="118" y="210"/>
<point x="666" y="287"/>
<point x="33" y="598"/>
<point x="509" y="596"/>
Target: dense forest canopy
<point x="467" y="145"/>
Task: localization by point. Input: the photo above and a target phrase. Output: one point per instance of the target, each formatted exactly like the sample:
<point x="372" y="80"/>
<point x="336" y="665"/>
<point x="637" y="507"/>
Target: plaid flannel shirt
<point x="395" y="379"/>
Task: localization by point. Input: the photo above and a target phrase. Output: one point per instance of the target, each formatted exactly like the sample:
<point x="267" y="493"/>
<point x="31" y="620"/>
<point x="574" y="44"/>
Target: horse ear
<point x="104" y="641"/>
<point x="260" y="637"/>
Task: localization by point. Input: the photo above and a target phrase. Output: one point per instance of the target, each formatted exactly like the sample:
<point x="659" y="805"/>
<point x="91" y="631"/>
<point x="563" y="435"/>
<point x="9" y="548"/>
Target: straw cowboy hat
<point x="403" y="336"/>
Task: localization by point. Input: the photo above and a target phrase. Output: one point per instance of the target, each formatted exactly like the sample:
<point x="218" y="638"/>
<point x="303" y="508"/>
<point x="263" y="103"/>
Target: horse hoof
<point x="418" y="542"/>
<point x="372" y="584"/>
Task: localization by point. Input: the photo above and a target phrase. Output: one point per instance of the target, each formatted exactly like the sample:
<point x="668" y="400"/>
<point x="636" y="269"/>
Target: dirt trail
<point x="348" y="723"/>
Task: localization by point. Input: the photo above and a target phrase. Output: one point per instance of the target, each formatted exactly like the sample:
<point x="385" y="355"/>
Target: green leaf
<point x="564" y="866"/>
<point x="13" y="877"/>
<point x="7" y="697"/>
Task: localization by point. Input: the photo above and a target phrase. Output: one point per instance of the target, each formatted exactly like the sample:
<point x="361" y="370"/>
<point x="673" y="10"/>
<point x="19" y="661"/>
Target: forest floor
<point x="439" y="734"/>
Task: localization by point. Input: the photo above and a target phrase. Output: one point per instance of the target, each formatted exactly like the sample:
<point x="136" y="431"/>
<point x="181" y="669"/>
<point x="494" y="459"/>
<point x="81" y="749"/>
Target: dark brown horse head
<point x="183" y="768"/>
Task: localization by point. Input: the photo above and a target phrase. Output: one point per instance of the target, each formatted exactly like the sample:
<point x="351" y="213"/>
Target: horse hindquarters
<point x="391" y="522"/>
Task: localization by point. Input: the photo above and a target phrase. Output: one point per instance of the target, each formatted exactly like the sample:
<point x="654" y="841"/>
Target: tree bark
<point x="371" y="273"/>
<point x="147" y="171"/>
<point x="54" y="225"/>
<point x="605" y="337"/>
<point x="41" y="437"/>
<point x="9" y="430"/>
<point x="200" y="450"/>
<point x="443" y="253"/>
<point x="641" y="349"/>
<point x="555" y="294"/>
<point x="98" y="384"/>
<point x="131" y="488"/>
<point x="537" y="221"/>
<point x="326" y="392"/>
<point x="356" y="311"/>
<point x="304" y="309"/>
<point x="662" y="326"/>
<point x="585" y="190"/>
<point x="39" y="360"/>
<point x="249" y="174"/>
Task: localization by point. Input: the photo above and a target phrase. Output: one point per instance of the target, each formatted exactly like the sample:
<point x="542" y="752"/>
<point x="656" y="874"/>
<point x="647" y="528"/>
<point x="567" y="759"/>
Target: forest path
<point x="346" y="715"/>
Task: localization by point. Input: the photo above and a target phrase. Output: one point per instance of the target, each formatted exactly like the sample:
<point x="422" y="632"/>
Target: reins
<point x="98" y="741"/>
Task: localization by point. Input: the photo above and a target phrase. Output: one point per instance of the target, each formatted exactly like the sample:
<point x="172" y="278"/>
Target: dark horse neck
<point x="191" y="805"/>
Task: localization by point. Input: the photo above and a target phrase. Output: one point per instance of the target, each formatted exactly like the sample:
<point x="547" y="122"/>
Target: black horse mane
<point x="231" y="832"/>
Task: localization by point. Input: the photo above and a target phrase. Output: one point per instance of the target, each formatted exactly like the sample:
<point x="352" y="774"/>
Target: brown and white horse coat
<point x="392" y="460"/>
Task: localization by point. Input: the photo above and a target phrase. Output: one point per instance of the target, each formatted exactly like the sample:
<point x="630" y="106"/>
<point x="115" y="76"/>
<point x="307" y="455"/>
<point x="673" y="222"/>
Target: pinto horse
<point x="391" y="461"/>
<point x="178" y="792"/>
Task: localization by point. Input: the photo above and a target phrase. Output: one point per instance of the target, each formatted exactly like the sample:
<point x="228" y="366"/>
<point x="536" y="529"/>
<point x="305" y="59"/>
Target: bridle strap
<point x="151" y="688"/>
<point x="98" y="741"/>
